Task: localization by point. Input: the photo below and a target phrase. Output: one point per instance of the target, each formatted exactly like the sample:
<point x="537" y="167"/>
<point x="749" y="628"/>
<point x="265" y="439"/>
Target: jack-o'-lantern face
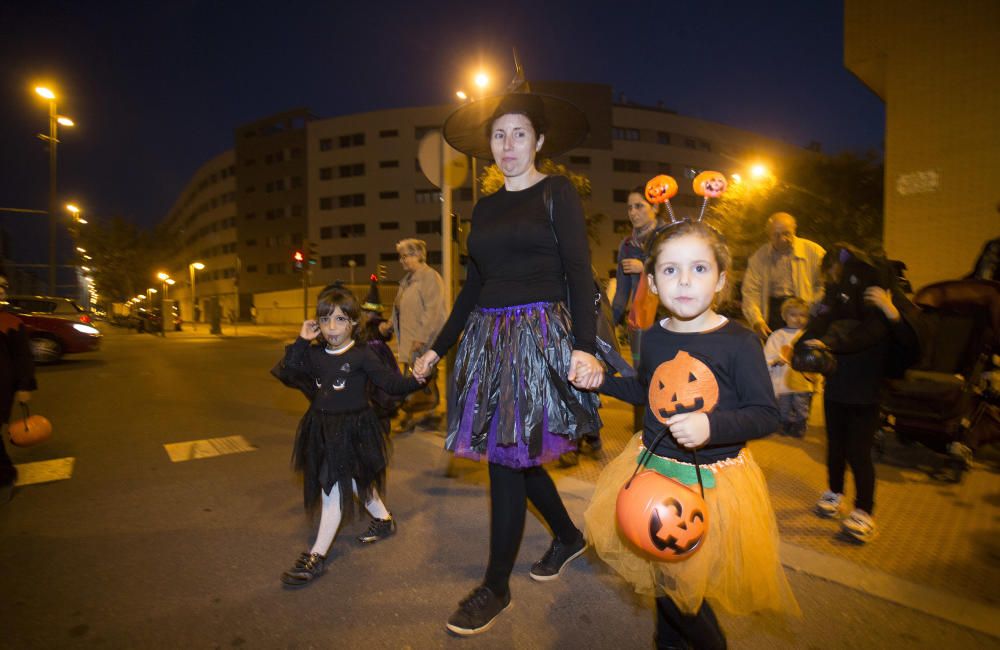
<point x="710" y="184"/>
<point x="661" y="516"/>
<point x="682" y="385"/>
<point x="661" y="189"/>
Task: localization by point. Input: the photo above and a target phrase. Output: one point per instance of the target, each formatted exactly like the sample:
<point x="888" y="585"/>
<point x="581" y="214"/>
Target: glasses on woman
<point x="339" y="320"/>
<point x="403" y="256"/>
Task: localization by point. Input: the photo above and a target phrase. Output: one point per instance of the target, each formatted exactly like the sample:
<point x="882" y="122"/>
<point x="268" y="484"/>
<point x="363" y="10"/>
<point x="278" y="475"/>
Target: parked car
<point x="149" y="320"/>
<point x="53" y="336"/>
<point x="52" y="305"/>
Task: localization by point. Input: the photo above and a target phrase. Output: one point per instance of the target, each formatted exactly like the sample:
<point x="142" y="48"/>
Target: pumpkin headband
<point x="707" y="184"/>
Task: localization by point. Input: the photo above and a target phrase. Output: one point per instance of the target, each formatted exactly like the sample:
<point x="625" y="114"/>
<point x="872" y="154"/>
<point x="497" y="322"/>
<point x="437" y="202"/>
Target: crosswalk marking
<point x="208" y="448"/>
<point x="44" y="471"/>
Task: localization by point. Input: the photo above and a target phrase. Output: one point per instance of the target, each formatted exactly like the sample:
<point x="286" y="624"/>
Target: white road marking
<point x="198" y="449"/>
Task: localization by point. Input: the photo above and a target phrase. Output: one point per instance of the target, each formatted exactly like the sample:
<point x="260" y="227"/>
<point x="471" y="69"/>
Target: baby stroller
<point x="948" y="400"/>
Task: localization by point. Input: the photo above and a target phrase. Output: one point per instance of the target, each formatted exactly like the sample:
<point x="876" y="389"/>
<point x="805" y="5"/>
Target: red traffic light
<point x="373" y="277"/>
<point x="298" y="257"/>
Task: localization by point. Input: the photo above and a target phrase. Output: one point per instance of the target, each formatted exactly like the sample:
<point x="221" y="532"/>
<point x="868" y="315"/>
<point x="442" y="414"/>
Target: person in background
<point x="418" y="313"/>
<point x="793" y="390"/>
<point x="17" y="381"/>
<point x="785" y="267"/>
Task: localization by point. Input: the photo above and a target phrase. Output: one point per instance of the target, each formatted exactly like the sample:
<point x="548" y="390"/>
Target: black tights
<point x="510" y="490"/>
<point x="675" y="629"/>
<point x="850" y="434"/>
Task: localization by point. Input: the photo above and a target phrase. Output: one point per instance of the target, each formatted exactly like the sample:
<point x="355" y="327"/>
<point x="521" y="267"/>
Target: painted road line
<point x="44" y="471"/>
<point x="198" y="449"/>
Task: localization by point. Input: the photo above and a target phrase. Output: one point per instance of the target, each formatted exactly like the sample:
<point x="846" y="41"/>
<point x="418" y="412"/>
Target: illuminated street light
<point x="461" y="95"/>
<point x="759" y="170"/>
<point x="81" y="250"/>
<point x="53" y="140"/>
<point x="737" y="179"/>
<point x="65" y="121"/>
<point x="482" y="80"/>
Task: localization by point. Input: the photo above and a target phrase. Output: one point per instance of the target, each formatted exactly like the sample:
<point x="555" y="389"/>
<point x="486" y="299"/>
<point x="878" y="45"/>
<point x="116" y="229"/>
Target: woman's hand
<point x="585" y="371"/>
<point x="424" y="364"/>
<point x="632" y="266"/>
<point x="690" y="430"/>
<point x="816" y="343"/>
<point x="882" y="298"/>
<point x="310" y="330"/>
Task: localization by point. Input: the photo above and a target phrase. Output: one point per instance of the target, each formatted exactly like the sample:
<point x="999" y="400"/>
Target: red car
<point x="53" y="336"/>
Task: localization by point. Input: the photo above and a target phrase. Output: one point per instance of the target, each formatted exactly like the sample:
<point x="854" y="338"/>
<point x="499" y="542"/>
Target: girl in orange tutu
<point x="703" y="378"/>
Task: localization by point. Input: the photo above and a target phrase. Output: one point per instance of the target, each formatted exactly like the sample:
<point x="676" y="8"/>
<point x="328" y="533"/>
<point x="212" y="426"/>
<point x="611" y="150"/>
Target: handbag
<point x="30" y="430"/>
<point x="606" y="340"/>
<point x="642" y="311"/>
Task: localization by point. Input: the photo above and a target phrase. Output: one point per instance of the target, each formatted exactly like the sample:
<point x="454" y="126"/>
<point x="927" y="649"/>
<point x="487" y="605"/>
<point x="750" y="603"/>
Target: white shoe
<point x="859" y="525"/>
<point x="829" y="504"/>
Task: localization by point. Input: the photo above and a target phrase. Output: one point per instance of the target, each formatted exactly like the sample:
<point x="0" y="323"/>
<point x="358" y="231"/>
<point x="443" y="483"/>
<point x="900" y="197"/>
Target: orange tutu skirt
<point x="737" y="567"/>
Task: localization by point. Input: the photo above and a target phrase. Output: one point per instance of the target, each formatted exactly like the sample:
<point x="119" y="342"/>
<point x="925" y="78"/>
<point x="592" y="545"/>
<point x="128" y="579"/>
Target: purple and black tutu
<point x="513" y="402"/>
<point x="333" y="448"/>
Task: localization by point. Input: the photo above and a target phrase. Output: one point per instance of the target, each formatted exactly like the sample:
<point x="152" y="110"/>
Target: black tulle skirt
<point x="333" y="448"/>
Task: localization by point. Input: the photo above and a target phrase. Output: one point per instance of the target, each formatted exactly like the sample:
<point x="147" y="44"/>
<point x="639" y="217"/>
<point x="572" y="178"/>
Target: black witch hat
<point x="563" y="124"/>
<point x="372" y="301"/>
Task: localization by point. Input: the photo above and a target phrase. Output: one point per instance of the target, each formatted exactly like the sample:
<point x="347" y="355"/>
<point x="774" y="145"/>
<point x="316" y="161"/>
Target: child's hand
<point x="423" y="366"/>
<point x="632" y="266"/>
<point x="384" y="328"/>
<point x="816" y="343"/>
<point x="690" y="430"/>
<point x="882" y="298"/>
<point x="585" y="371"/>
<point x="310" y="330"/>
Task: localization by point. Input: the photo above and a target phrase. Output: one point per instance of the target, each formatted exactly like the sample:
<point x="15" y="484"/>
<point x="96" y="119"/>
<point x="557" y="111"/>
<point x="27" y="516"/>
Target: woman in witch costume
<point x="514" y="404"/>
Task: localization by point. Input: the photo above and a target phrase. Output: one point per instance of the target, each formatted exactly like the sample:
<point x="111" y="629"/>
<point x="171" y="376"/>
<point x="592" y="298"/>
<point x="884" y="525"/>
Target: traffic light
<point x="297" y="260"/>
<point x="311" y="254"/>
<point x="381" y="272"/>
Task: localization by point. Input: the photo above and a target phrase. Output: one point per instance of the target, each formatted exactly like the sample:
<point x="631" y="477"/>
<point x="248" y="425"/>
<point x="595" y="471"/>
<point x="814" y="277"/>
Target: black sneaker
<point x="556" y="558"/>
<point x="307" y="567"/>
<point x="477" y="611"/>
<point x="378" y="529"/>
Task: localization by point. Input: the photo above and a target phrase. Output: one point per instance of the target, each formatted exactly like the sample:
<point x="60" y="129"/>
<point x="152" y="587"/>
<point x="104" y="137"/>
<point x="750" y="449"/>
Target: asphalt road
<point x="137" y="551"/>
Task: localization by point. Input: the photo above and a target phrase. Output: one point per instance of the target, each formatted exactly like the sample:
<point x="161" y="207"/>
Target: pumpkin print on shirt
<point x="682" y="385"/>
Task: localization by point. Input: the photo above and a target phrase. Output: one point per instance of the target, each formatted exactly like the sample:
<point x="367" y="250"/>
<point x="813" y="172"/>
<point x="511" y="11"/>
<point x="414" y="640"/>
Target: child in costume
<point x="339" y="445"/>
<point x="793" y="389"/>
<point x="704" y="379"/>
<point x="376" y="332"/>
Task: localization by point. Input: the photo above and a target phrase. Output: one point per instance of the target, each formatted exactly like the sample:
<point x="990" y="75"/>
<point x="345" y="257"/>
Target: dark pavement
<point x="136" y="551"/>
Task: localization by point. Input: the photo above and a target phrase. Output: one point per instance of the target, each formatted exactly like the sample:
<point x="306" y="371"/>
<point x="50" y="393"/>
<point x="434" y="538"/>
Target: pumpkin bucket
<point x="30" y="430"/>
<point x="661" y="516"/>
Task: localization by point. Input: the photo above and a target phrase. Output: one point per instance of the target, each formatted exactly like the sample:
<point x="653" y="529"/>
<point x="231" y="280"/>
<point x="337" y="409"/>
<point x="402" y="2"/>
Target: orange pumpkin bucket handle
<point x="649" y="451"/>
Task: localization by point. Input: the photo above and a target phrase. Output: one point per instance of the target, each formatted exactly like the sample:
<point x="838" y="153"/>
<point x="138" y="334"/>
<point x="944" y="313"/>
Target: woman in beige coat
<point x="417" y="315"/>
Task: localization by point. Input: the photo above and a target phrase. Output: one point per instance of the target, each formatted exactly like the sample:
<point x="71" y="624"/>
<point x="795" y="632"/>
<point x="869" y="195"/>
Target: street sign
<point x="429" y="156"/>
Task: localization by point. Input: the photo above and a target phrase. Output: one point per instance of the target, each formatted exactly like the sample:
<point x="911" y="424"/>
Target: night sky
<point x="157" y="89"/>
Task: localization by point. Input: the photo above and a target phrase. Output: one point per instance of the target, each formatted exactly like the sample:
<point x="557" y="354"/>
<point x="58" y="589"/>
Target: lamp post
<point x="53" y="139"/>
<point x="192" y="267"/>
<point x="166" y="281"/>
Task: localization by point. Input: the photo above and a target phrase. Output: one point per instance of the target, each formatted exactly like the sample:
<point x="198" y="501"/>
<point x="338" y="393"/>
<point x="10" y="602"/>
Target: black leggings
<point x="850" y="433"/>
<point x="510" y="490"/>
<point x="675" y="629"/>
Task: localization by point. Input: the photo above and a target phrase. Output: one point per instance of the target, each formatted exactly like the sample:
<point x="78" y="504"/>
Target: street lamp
<point x="53" y="139"/>
<point x="192" y="267"/>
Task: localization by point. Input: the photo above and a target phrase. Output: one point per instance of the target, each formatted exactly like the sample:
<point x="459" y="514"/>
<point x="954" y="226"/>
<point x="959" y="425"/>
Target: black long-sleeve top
<point x="514" y="259"/>
<point x="17" y="367"/>
<point x="335" y="383"/>
<point x="745" y="409"/>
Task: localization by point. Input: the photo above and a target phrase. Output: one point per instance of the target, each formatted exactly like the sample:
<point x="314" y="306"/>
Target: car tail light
<point x="84" y="318"/>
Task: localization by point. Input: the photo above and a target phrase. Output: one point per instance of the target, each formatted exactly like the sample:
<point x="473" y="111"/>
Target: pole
<point x="447" y="243"/>
<point x="236" y="297"/>
<point x="194" y="300"/>
<point x="305" y="294"/>
<point x="163" y="309"/>
<point x="53" y="142"/>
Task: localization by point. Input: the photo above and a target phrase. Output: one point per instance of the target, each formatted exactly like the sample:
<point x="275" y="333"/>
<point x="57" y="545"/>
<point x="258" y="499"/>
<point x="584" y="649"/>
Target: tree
<point x="491" y="180"/>
<point x="125" y="257"/>
<point x="833" y="198"/>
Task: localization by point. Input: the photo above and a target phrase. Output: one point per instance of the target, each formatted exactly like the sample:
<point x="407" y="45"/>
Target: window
<point x="388" y="257"/>
<point x="428" y="196"/>
<point x="388" y="133"/>
<point x="621" y="133"/>
<point x="251" y="268"/>
<point x="429" y="227"/>
<point x="662" y="137"/>
<point x="347" y="171"/>
<point x="579" y="160"/>
<point x="622" y="226"/>
<point x="388" y="225"/>
<point x="388" y="195"/>
<point x="326" y="203"/>
<point x="619" y="196"/>
<point x="251" y="242"/>
<point x="326" y="232"/>
<point x="625" y="165"/>
<point x="351" y="200"/>
<point x="690" y="143"/>
<point x="352" y="140"/>
<point x="433" y="257"/>
<point x="704" y="145"/>
<point x="353" y="230"/>
<point x="326" y="261"/>
<point x="359" y="259"/>
<point x="325" y="144"/>
<point x="388" y="164"/>
<point x="276" y="268"/>
<point x="663" y="167"/>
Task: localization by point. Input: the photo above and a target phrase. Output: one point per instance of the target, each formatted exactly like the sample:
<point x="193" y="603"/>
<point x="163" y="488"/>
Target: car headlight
<point x="86" y="329"/>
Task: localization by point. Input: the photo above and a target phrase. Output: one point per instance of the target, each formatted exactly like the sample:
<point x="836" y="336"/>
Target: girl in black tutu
<point x="339" y="445"/>
<point x="527" y="246"/>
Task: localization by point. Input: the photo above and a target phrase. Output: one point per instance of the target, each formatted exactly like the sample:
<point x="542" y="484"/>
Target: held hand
<point x="763" y="331"/>
<point x="585" y="371"/>
<point x="816" y="343"/>
<point x="423" y="366"/>
<point x="690" y="430"/>
<point x="632" y="266"/>
<point x="22" y="396"/>
<point x="882" y="298"/>
<point x="310" y="330"/>
<point x="384" y="328"/>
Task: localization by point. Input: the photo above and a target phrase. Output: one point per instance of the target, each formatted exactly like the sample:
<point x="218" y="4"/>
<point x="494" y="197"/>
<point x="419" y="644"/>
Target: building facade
<point x="348" y="188"/>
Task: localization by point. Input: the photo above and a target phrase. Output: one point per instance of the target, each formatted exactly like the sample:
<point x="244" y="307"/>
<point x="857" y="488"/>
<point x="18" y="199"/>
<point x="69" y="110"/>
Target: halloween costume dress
<point x="339" y="438"/>
<point x="514" y="404"/>
<point x="720" y="372"/>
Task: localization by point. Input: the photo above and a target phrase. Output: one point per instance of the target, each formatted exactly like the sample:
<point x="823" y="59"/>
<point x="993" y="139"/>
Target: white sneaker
<point x="859" y="525"/>
<point x="829" y="504"/>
